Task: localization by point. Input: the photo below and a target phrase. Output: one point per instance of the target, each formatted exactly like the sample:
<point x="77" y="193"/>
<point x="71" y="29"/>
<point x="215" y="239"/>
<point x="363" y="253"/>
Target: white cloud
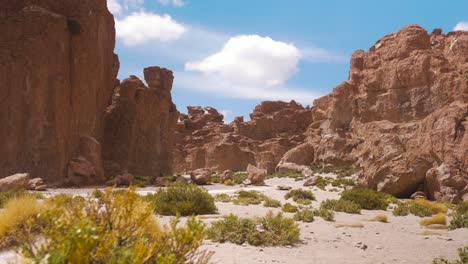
<point x="215" y="85"/>
<point x="461" y="26"/>
<point x="176" y="3"/>
<point x="114" y="7"/>
<point x="251" y="60"/>
<point x="225" y="112"/>
<point x="141" y="27"/>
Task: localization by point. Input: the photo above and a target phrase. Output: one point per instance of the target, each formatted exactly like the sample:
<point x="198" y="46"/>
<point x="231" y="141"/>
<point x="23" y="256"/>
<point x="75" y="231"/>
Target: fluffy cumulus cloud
<point x="176" y="3"/>
<point x="251" y="60"/>
<point x="141" y="27"/>
<point x="462" y="26"/>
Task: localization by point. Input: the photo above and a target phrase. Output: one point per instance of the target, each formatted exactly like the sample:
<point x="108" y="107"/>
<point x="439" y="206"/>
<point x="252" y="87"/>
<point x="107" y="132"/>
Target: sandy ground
<point x="398" y="241"/>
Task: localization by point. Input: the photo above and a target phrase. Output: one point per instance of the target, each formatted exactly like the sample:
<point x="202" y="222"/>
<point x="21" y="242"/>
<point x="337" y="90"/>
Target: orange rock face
<point x="401" y="115"/>
<point x="140" y="123"/>
<point x="58" y="71"/>
<point x="204" y="141"/>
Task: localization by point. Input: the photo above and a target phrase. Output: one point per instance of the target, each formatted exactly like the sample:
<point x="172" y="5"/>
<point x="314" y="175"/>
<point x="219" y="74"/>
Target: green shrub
<point x="8" y="195"/>
<point x="343" y="183"/>
<point x="346" y="206"/>
<point x="325" y="214"/>
<point x="142" y="181"/>
<point x="300" y="196"/>
<point x="248" y="198"/>
<point x="462" y="254"/>
<point x="182" y="199"/>
<point x="323" y="182"/>
<point x="289" y="208"/>
<point x="342" y="171"/>
<point x="229" y="183"/>
<point x="222" y="197"/>
<point x="97" y="194"/>
<point x="271" y="230"/>
<point x="239" y="177"/>
<point x="268" y="202"/>
<point x="306" y="215"/>
<point x="459" y="216"/>
<point x="366" y="198"/>
<point x="438" y="219"/>
<point x="115" y="228"/>
<point x="215" y="178"/>
<point x="419" y="207"/>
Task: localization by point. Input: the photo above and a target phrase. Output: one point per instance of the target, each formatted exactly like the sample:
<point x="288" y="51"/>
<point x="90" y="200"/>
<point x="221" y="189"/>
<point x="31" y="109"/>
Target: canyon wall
<point x="401" y="117"/>
<point x="58" y="76"/>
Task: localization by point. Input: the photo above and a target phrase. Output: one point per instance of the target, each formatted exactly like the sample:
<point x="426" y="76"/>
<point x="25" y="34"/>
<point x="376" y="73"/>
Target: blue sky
<point x="234" y="54"/>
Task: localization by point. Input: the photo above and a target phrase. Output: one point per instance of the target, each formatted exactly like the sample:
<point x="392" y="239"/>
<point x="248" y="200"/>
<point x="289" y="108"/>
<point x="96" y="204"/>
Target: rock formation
<point x="139" y="127"/>
<point x="401" y="117"/>
<point x="204" y="141"/>
<point x="58" y="71"/>
<point x="62" y="109"/>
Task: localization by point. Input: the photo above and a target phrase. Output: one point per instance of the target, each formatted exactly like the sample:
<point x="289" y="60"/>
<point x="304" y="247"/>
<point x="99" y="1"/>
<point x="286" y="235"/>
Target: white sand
<point x="321" y="242"/>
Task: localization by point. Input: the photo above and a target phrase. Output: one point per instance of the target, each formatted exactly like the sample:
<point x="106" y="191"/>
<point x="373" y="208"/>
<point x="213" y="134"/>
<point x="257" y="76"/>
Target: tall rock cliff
<point x="140" y="124"/>
<point x="57" y="72"/>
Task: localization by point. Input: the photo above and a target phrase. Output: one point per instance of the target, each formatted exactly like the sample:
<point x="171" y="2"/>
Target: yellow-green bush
<point x="269" y="202"/>
<point x="419" y="207"/>
<point x="439" y="219"/>
<point x="289" y="208"/>
<point x="462" y="254"/>
<point x="286" y="174"/>
<point x="271" y="230"/>
<point x="367" y="199"/>
<point x="6" y="196"/>
<point x="248" y="198"/>
<point x="115" y="228"/>
<point x="229" y="183"/>
<point x="341" y="206"/>
<point x="222" y="197"/>
<point x="459" y="216"/>
<point x="182" y="199"/>
<point x="18" y="219"/>
<point x="381" y="218"/>
<point x="325" y="214"/>
<point x="300" y="196"/>
<point x="306" y="215"/>
<point x="343" y="182"/>
<point x="239" y="177"/>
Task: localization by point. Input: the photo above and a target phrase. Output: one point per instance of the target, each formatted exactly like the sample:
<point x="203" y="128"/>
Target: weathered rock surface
<point x="201" y="176"/>
<point x="57" y="72"/>
<point x="256" y="176"/>
<point x="21" y="181"/>
<point x="204" y="141"/>
<point x="139" y="127"/>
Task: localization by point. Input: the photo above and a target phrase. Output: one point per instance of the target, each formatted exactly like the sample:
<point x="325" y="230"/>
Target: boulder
<point x="15" y="182"/>
<point x="227" y="175"/>
<point x="310" y="182"/>
<point x="256" y="176"/>
<point x="201" y="176"/>
<point x="447" y="184"/>
<point x="36" y="184"/>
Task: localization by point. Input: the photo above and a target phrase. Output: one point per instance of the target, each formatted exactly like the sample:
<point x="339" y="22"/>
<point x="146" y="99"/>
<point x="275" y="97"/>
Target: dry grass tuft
<point x="439" y="219"/>
<point x="429" y="233"/>
<point x="352" y="225"/>
<point x="380" y="218"/>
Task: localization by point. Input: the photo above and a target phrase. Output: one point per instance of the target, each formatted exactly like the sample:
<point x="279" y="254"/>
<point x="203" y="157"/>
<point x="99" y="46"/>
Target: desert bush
<point x="325" y="214"/>
<point x="271" y="230"/>
<point x="419" y="207"/>
<point x="381" y="218"/>
<point x="462" y="254"/>
<point x="342" y="171"/>
<point x="115" y="228"/>
<point x="248" y="198"/>
<point x="300" y="196"/>
<point x="182" y="199"/>
<point x="222" y="197"/>
<point x="144" y="180"/>
<point x="459" y="216"/>
<point x="229" y="183"/>
<point x="269" y="202"/>
<point x="289" y="208"/>
<point x="439" y="219"/>
<point x="323" y="182"/>
<point x="366" y="198"/>
<point x="341" y="206"/>
<point x="305" y="215"/>
<point x="8" y="195"/>
<point x="239" y="177"/>
<point x="343" y="183"/>
<point x="17" y="219"/>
